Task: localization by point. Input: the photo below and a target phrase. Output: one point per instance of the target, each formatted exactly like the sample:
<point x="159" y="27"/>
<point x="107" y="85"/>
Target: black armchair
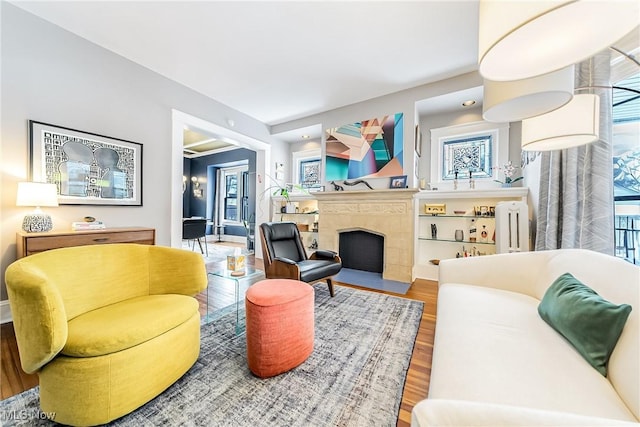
<point x="285" y="256"/>
<point x="195" y="229"/>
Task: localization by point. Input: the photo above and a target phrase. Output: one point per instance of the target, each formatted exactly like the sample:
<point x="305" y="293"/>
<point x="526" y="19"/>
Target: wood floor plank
<point x="14" y="380"/>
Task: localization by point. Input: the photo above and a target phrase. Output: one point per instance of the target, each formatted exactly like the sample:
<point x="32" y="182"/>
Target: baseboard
<point x="227" y="238"/>
<point x="5" y="312"/>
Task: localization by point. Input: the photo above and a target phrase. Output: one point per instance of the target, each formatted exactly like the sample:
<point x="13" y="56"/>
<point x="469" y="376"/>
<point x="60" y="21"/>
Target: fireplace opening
<point x="361" y="250"/>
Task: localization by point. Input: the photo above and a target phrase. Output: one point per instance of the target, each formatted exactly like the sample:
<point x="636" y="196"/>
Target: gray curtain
<point x="576" y="207"/>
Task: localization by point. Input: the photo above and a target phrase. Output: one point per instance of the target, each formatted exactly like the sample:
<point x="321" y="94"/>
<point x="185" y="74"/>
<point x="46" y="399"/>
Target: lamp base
<point x="39" y="222"/>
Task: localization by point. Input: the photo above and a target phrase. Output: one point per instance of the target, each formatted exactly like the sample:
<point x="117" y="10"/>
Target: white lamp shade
<point x="522" y="39"/>
<point x="576" y="123"/>
<point x="517" y="100"/>
<point x="37" y="194"/>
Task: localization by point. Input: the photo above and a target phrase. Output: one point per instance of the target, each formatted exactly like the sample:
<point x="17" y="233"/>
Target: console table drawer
<point x="30" y="243"/>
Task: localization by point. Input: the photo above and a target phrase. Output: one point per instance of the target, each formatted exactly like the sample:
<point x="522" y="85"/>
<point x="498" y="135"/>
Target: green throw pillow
<point x="589" y="322"/>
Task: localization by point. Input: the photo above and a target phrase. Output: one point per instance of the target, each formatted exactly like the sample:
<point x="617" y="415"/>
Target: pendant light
<point x="522" y="39"/>
<point x="576" y="123"/>
<point x="517" y="100"/>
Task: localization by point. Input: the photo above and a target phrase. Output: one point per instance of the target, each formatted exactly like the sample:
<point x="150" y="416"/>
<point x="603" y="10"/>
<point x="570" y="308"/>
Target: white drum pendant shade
<point x="577" y="123"/>
<point x="517" y="100"/>
<point x="522" y="39"/>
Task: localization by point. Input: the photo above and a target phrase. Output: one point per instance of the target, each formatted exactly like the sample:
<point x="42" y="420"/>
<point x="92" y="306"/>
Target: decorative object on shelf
<point x="337" y="187"/>
<point x="434" y="231"/>
<point x="472" y="230"/>
<point x="84" y="225"/>
<point x="459" y="235"/>
<point x="484" y="234"/>
<point x="87" y="168"/>
<point x="434" y="261"/>
<point x="398" y="181"/>
<point x="508" y="170"/>
<point x="472" y="183"/>
<point x="356" y="182"/>
<point x="423" y="184"/>
<point x="37" y="195"/>
<point x="455" y="180"/>
<point x="314" y="244"/>
<point x="435" y="208"/>
<point x="460" y="212"/>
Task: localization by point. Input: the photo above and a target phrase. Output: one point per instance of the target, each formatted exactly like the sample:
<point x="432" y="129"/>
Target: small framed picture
<point x="398" y="181"/>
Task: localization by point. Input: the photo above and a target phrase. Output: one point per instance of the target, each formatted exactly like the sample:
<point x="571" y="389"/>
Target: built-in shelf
<point x="457" y="241"/>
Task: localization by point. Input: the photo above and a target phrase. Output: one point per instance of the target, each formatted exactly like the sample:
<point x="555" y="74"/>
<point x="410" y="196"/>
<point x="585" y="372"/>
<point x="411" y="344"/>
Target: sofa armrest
<point x="516" y="272"/>
<point x="39" y="316"/>
<point x="176" y="271"/>
<point x="444" y="412"/>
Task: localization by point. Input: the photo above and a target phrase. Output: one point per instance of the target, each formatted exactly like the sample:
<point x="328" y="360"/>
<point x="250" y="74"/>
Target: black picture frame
<point x="87" y="168"/>
<point x="398" y="181"/>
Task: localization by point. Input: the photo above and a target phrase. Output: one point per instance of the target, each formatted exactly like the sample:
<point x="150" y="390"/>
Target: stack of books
<point x="82" y="225"/>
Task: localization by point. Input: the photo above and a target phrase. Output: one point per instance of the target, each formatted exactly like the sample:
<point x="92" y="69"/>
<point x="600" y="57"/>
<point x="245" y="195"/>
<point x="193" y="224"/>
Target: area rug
<point x="368" y="279"/>
<point x="354" y="377"/>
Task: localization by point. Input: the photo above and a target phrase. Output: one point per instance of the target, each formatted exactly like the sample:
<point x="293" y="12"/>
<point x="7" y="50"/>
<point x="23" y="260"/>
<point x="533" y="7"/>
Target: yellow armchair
<point x="106" y="327"/>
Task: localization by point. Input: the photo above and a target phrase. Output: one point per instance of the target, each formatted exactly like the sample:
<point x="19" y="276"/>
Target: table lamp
<point x="37" y="194"/>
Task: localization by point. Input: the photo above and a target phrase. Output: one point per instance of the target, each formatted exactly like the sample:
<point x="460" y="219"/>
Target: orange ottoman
<point x="279" y="325"/>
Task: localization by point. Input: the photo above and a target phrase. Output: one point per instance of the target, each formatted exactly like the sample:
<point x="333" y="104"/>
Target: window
<point x="626" y="167"/>
<point x="233" y="201"/>
<point x="307" y="172"/>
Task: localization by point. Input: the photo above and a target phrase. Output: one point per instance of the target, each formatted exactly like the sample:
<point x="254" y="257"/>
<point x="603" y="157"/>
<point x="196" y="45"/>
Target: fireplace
<point x="388" y="215"/>
<point x="361" y="250"/>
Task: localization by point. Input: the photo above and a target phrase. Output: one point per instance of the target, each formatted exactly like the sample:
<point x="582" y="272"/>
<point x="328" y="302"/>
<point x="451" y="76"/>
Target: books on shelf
<point x="82" y="225"/>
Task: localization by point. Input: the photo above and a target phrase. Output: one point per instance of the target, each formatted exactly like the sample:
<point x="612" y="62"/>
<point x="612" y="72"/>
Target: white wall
<point x="53" y="76"/>
<point x="399" y="102"/>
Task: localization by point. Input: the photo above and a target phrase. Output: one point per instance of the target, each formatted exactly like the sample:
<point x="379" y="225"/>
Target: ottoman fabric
<point x="280" y="325"/>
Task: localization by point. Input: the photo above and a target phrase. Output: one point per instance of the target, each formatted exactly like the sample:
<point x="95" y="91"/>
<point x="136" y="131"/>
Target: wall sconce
<point x="197" y="191"/>
<point x="37" y="194"/>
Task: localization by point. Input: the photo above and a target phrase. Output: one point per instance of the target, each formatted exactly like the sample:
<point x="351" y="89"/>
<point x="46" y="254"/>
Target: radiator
<point x="512" y="227"/>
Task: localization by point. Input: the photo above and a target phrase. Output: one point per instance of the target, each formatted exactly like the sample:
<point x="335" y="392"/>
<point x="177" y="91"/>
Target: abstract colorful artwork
<point x="368" y="149"/>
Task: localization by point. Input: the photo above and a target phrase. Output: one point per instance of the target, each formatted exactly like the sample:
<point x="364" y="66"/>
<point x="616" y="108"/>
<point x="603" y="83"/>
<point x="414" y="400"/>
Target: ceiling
<point x="279" y="61"/>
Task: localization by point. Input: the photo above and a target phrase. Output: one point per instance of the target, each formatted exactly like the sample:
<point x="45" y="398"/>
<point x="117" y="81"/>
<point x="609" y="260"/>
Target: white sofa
<point x="496" y="362"/>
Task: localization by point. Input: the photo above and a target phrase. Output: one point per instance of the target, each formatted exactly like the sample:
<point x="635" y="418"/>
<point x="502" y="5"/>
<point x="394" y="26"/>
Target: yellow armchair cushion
<point x="126" y="324"/>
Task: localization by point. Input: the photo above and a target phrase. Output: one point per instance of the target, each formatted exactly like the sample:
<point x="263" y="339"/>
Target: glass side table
<point x="251" y="275"/>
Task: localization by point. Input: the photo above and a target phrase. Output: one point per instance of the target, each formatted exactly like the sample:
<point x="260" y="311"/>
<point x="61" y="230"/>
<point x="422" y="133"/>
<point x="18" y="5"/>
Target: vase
<point x="506" y="185"/>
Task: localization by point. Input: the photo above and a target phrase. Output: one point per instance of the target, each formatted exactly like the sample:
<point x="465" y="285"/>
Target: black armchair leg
<point x="330" y="284"/>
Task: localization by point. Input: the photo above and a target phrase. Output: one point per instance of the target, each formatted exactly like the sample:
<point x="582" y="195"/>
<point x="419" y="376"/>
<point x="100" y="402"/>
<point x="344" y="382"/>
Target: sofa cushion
<point x="126" y="324"/>
<point x="589" y="322"/>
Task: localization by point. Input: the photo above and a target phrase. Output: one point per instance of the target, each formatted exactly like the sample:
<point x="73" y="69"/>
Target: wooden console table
<point x="31" y="243"/>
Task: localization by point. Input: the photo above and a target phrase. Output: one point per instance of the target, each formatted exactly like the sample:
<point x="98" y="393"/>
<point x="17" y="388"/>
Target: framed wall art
<point x="370" y="148"/>
<point x="398" y="181"/>
<point x="87" y="168"/>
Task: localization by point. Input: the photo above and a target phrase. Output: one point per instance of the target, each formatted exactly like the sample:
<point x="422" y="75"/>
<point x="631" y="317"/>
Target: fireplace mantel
<point x="388" y="213"/>
<point x="390" y="194"/>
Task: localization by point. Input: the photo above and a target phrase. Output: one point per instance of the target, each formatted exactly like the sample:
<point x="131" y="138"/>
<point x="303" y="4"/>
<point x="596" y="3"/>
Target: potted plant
<point x="508" y="171"/>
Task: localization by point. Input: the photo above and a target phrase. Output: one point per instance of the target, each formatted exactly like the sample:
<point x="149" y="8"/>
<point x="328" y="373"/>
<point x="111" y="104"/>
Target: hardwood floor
<point x="13" y="380"/>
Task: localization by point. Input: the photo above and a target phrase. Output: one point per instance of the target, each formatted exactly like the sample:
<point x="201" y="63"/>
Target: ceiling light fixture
<point x="306" y="136"/>
<point x="576" y="123"/>
<point x="468" y="103"/>
<point x="522" y="39"/>
<point x="518" y="100"/>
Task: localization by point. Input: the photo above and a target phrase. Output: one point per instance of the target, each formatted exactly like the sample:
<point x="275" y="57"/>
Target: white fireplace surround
<point x="388" y="213"/>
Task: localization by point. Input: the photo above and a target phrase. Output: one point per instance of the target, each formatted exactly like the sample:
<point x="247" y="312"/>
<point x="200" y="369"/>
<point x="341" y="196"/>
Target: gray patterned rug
<point x="354" y="377"/>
